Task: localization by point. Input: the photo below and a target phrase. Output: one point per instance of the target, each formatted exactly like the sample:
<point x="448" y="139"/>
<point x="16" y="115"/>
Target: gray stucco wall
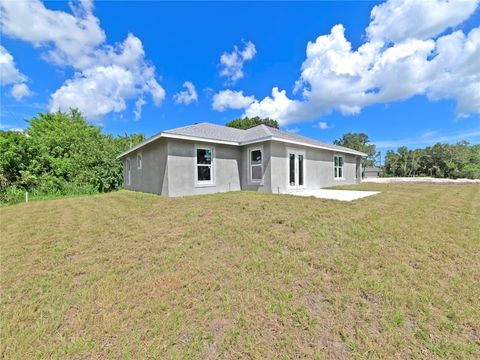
<point x="169" y="168"/>
<point x="319" y="167"/>
<point x="182" y="168"/>
<point x="265" y="185"/>
<point x="152" y="177"/>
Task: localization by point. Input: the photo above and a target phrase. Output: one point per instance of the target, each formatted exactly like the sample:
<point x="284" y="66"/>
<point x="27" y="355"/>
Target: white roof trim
<point x="206" y="140"/>
<point x="175" y="136"/>
<point x="194" y="138"/>
<point x="353" y="152"/>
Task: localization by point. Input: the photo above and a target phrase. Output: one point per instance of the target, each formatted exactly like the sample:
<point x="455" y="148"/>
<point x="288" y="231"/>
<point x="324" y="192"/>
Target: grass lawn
<point x="244" y="275"/>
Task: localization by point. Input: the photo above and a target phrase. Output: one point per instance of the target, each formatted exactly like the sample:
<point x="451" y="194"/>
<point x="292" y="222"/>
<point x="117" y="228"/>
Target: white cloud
<point x="106" y="77"/>
<point x="279" y="106"/>
<point x="322" y="125"/>
<point x="228" y="99"/>
<point x="10" y="75"/>
<point x="335" y="77"/>
<point x="187" y="96"/>
<point x="96" y="91"/>
<point x="138" y="108"/>
<point x="397" y="20"/>
<point x="20" y="91"/>
<point x="70" y="37"/>
<point x="232" y="63"/>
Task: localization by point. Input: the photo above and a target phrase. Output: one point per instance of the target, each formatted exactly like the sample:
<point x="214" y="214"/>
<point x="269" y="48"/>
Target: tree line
<point x="461" y="160"/>
<point x="58" y="154"/>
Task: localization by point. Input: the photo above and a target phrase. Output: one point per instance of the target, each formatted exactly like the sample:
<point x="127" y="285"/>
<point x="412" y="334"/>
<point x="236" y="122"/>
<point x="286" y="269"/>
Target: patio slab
<point x="341" y="195"/>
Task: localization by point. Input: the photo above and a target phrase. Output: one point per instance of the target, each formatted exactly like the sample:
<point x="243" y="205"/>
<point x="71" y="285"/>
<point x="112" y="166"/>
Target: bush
<point x="12" y="195"/>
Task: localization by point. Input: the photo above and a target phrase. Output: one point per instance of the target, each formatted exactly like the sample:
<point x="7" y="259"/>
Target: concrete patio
<point x="341" y="195"/>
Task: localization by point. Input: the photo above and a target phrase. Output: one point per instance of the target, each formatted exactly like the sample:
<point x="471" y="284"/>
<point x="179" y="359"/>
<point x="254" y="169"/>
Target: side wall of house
<point x="152" y="177"/>
<point x="319" y="167"/>
<point x="182" y="167"/>
<point x="265" y="184"/>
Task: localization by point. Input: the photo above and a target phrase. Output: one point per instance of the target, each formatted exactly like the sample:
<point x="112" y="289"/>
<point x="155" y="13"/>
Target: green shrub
<point x="12" y="195"/>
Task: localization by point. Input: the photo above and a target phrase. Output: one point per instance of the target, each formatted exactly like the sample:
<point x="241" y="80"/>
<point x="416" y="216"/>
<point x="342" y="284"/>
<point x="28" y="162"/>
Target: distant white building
<point x="373" y="172"/>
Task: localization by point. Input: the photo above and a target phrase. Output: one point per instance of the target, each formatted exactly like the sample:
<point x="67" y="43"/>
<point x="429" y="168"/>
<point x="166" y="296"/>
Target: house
<point x="372" y="172"/>
<point x="207" y="158"/>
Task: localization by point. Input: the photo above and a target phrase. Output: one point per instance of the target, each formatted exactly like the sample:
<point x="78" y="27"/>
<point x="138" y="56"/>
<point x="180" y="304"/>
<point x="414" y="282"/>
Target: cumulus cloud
<point x="187" y="96"/>
<point x="335" y="77"/>
<point x="397" y="20"/>
<point x="228" y="99"/>
<point x="232" y="63"/>
<point x="69" y="38"/>
<point x="278" y="106"/>
<point x="106" y="76"/>
<point x="10" y="75"/>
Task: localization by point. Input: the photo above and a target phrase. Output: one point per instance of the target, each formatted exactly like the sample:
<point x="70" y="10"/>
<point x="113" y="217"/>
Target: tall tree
<point x="247" y="123"/>
<point x="359" y="142"/>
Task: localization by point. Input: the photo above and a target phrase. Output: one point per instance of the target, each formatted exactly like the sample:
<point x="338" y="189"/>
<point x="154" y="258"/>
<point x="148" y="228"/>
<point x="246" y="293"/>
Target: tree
<point x="62" y="153"/>
<point x="247" y="123"/>
<point x="440" y="160"/>
<point x="359" y="142"/>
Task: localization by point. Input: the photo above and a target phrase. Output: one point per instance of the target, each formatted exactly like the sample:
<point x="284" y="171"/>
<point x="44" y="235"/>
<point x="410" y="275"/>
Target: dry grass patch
<point x="244" y="275"/>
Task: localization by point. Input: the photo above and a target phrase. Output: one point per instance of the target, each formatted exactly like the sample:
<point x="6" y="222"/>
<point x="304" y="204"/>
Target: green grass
<point x="244" y="275"/>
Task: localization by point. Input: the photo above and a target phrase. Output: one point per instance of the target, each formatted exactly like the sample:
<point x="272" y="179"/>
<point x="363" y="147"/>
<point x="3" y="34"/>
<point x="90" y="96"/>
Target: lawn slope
<point x="244" y="275"/>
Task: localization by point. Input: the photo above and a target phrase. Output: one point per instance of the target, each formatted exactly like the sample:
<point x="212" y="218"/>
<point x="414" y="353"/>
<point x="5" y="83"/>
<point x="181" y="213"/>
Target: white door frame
<point x="296" y="153"/>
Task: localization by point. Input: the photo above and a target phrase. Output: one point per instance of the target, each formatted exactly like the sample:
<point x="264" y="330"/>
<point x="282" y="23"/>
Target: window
<point x="204" y="165"/>
<point x="127" y="165"/>
<point x="139" y="161"/>
<point x="300" y="170"/>
<point x="338" y="167"/>
<point x="256" y="165"/>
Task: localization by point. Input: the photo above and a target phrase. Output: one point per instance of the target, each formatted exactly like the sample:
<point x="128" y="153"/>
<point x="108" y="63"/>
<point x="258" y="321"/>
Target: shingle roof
<point x="213" y="132"/>
<point x="209" y="131"/>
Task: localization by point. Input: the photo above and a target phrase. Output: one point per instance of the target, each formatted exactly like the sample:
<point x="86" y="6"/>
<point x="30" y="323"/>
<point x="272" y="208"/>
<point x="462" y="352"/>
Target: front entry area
<point x="295" y="169"/>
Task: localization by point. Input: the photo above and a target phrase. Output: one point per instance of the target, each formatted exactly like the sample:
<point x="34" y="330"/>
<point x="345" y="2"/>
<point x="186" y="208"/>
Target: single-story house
<point x="208" y="158"/>
<point x="372" y="172"/>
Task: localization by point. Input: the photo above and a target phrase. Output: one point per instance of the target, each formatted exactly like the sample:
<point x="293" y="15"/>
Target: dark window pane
<point x="204" y="156"/>
<point x="292" y="169"/>
<point x="256" y="157"/>
<point x="336" y="160"/>
<point x="256" y="172"/>
<point x="340" y="172"/>
<point x="204" y="173"/>
<point x="340" y="161"/>
<point x="300" y="170"/>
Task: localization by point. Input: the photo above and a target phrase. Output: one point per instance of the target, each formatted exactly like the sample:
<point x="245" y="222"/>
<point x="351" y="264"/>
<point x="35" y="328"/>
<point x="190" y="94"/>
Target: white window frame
<point x="338" y="167"/>
<point x="250" y="165"/>
<point x="203" y="183"/>
<point x="296" y="152"/>
<point x="128" y="171"/>
<point x="139" y="163"/>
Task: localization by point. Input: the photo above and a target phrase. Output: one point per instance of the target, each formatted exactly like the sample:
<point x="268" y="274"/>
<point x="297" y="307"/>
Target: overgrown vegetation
<point x="460" y="160"/>
<point x="247" y="123"/>
<point x="243" y="275"/>
<point x="60" y="154"/>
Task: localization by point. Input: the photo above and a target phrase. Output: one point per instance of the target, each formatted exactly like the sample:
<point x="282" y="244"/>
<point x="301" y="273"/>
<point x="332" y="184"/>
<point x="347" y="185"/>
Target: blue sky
<point x="369" y="69"/>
